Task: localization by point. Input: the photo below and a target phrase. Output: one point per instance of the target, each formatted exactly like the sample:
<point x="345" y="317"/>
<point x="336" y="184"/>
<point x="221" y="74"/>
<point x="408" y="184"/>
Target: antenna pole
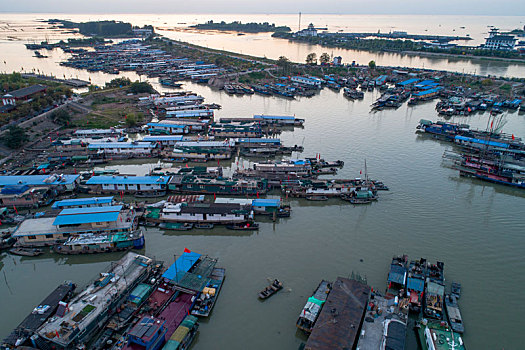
<point x="299" y="21"/>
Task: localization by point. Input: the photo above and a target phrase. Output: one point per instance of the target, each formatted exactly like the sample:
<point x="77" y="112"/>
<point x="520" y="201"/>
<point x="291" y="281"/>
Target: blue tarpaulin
<point x="182" y="265"/>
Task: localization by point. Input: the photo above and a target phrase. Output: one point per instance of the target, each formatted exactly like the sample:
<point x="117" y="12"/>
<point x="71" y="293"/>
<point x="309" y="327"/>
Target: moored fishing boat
<point x="453" y="314"/>
<point x="183" y="336"/>
<point x="101" y="243"/>
<point x="26" y="251"/>
<point x="203" y="226"/>
<point x="316" y="198"/>
<point x="243" y="226"/>
<point x="273" y="288"/>
<point x="206" y="300"/>
<point x="312" y="309"/>
<point x="177" y="226"/>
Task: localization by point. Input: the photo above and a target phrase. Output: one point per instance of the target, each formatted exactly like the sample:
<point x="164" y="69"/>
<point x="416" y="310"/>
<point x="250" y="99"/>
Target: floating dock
<point x="341" y="318"/>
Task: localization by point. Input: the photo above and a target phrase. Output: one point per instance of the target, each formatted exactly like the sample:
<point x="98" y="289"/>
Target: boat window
<point x="49" y="236"/>
<point x="31" y="237"/>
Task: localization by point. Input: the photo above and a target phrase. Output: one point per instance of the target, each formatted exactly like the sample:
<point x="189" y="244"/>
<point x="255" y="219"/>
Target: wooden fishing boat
<point x="271" y="289"/>
<point x="26" y="251"/>
<point x="246" y="226"/>
<point x="208" y="297"/>
<point x="316" y="198"/>
<point x="177" y="226"/>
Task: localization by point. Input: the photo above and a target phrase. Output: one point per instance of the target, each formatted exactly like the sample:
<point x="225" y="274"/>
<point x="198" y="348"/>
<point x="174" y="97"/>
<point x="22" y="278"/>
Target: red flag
<point x="513" y="138"/>
<point x="121" y="194"/>
<point x="75" y="169"/>
<point x="218" y="162"/>
<point x="186" y="250"/>
<point x="257" y="194"/>
<point x="491" y="124"/>
<point x="15" y="209"/>
<point x="0" y="222"/>
<point x="214" y="196"/>
<point x="187" y="165"/>
<point x="44" y="170"/>
<point x="360" y="172"/>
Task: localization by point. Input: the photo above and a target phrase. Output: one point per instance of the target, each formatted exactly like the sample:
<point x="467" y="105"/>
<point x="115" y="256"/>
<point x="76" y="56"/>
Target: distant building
<point x="22" y="94"/>
<point x="309" y="31"/>
<point x="338" y="60"/>
<point x="497" y="41"/>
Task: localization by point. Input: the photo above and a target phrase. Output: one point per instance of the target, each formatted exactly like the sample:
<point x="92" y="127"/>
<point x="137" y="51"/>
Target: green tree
<point x="311" y="58"/>
<point x="141" y="87"/>
<point x="324" y="58"/>
<point x="372" y="64"/>
<point x="15" y="137"/>
<point x="131" y="120"/>
<point x="61" y="117"/>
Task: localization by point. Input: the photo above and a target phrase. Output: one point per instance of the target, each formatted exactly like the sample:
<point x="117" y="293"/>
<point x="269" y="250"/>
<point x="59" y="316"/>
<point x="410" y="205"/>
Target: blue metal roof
<point x="425" y="82"/>
<point x="134" y="180"/>
<point x="168" y="125"/>
<point x="416" y="284"/>
<point x="81" y="201"/>
<point x="483" y="142"/>
<point x="397" y="274"/>
<point x="153" y="138"/>
<point x="276" y="117"/>
<point x="182" y="265"/>
<point x="36" y="180"/>
<point x="74" y="216"/>
<point x="266" y="202"/>
<point x="427" y="92"/>
<point x="408" y="82"/>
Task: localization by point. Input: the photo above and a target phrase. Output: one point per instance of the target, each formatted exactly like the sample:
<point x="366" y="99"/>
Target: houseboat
<point x="397" y="277"/>
<point x="167" y="127"/>
<point x="83" y="203"/>
<point x="453" y="314"/>
<point x="433" y="306"/>
<point x="89" y="311"/>
<point x="217" y="186"/>
<point x="435" y="334"/>
<point x="149" y="185"/>
<point x="149" y="333"/>
<point x="70" y="225"/>
<point x="417" y="272"/>
<point x="312" y="309"/>
<point x="279" y="120"/>
<point x="91" y="133"/>
<point x="58" y="182"/>
<point x="125" y="149"/>
<point x="213" y="213"/>
<point x="235" y="130"/>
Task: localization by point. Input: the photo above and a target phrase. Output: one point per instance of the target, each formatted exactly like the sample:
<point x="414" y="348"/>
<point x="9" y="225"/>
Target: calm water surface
<point x="474" y="227"/>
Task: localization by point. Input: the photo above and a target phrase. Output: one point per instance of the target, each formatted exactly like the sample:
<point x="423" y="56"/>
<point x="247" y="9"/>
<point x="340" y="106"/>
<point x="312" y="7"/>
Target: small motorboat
<point x="6" y="243"/>
<point x="177" y="226"/>
<point x="26" y="251"/>
<point x="455" y="289"/>
<point x="204" y="226"/>
<point x="316" y="198"/>
<point x="247" y="226"/>
<point x="271" y="289"/>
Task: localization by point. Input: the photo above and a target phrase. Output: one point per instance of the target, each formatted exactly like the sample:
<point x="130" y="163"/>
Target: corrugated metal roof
<point x="182" y="265"/>
<point x="408" y="82"/>
<point x="76" y="216"/>
<point x="27" y="91"/>
<point x="123" y="145"/>
<point x="82" y="201"/>
<point x="90" y="210"/>
<point x="34" y="180"/>
<point x="266" y="202"/>
<point x="134" y="180"/>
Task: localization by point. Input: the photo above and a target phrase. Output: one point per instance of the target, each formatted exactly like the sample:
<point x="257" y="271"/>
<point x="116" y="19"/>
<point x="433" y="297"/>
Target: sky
<point x="441" y="7"/>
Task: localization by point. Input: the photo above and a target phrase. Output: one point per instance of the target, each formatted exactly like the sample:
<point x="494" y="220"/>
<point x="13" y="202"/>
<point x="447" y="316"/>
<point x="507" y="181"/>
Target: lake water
<point x="17" y="29"/>
<point x="475" y="228"/>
